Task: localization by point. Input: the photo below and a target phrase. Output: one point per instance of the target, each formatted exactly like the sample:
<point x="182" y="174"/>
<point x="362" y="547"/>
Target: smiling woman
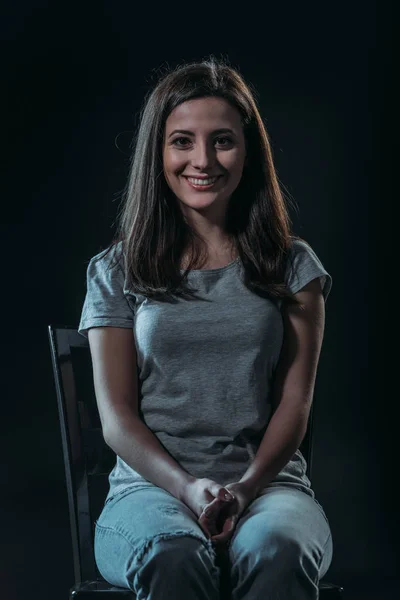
<point x="216" y="308"/>
<point x="205" y="170"/>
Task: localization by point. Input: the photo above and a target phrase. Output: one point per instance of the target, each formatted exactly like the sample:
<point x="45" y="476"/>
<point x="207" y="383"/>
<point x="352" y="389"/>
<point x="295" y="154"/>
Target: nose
<point x="203" y="156"/>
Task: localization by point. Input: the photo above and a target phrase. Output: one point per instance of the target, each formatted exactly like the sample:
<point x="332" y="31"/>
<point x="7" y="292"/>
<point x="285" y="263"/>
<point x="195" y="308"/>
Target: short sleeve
<point x="105" y="302"/>
<point x="304" y="266"/>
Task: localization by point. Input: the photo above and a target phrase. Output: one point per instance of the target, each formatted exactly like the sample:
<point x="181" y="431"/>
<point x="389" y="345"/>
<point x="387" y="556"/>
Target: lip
<point x="201" y="176"/>
<point x="203" y="188"/>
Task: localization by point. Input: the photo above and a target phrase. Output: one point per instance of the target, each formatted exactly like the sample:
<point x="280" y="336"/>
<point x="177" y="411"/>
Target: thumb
<point x="218" y="491"/>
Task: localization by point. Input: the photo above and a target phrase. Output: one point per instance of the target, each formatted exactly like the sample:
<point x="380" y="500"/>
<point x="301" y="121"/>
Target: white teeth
<point x="202" y="181"/>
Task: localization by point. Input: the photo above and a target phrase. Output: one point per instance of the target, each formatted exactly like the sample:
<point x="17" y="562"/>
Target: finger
<point x="225" y="495"/>
<point x="207" y="525"/>
<point x="212" y="508"/>
<point x="215" y="506"/>
<point x="205" y="530"/>
<point x="218" y="491"/>
<point x="211" y="515"/>
<point x="209" y="532"/>
<point x="217" y="515"/>
<point x="227" y="530"/>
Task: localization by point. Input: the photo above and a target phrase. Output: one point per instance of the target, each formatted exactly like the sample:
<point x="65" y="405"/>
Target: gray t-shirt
<point x="205" y="367"/>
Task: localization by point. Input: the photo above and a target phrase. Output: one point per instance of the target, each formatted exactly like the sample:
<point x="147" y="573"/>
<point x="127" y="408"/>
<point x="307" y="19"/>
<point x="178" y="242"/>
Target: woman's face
<point x="203" y="138"/>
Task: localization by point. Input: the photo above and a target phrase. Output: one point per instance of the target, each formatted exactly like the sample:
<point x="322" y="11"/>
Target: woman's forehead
<point x="204" y="112"/>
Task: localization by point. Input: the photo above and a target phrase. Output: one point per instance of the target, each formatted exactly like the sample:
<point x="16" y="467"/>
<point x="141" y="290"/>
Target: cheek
<point x="236" y="170"/>
<point x="172" y="161"/>
<point x="233" y="161"/>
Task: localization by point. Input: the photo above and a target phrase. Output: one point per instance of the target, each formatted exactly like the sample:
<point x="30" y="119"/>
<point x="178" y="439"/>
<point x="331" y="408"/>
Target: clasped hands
<point x="218" y="507"/>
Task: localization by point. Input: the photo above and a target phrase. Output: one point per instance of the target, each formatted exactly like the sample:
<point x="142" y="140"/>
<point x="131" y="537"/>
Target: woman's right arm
<point x="113" y="354"/>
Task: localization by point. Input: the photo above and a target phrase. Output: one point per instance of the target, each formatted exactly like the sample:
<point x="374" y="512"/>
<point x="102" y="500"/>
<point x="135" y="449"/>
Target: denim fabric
<point x="148" y="541"/>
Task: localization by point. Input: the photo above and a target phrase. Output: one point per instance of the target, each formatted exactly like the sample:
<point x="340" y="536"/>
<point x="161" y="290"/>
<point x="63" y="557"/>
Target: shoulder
<point x="303" y="266"/>
<point x="108" y="258"/>
<point x="299" y="246"/>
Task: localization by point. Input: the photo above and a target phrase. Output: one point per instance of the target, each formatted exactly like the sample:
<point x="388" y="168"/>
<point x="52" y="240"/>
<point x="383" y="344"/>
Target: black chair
<point x="88" y="461"/>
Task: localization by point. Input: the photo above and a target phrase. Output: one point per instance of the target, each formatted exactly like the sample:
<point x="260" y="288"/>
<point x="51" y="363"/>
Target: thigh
<point x="132" y="521"/>
<point x="146" y="510"/>
<point x="281" y="519"/>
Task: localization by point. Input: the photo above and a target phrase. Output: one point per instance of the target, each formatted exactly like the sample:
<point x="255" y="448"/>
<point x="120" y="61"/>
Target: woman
<point x="217" y="308"/>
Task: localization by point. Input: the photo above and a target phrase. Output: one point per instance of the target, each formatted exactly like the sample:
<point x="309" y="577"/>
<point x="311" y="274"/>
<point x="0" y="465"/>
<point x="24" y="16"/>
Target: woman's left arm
<point x="293" y="386"/>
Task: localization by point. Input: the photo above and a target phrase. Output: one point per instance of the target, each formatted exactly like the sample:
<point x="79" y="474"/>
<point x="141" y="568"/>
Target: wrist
<point x="251" y="486"/>
<point x="183" y="487"/>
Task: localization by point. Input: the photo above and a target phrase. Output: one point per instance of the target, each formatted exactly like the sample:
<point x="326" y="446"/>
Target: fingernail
<point x="228" y="497"/>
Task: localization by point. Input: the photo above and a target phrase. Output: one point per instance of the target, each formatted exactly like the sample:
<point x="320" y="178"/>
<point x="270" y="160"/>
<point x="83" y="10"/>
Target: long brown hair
<point x="152" y="232"/>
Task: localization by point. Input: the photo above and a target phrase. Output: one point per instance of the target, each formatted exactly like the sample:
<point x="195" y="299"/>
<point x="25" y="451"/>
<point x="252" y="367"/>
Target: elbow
<point x="107" y="436"/>
<point x="118" y="426"/>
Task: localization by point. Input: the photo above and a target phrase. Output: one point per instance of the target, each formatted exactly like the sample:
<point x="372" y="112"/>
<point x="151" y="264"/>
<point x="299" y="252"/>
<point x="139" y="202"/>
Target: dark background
<point x="74" y="76"/>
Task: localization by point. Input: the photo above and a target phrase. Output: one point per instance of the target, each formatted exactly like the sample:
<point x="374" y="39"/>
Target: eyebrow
<point x="186" y="132"/>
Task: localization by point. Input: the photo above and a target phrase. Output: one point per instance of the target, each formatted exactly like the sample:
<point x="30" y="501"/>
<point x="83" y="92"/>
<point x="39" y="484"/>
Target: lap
<point x="281" y="512"/>
<point x="146" y="526"/>
<point x="282" y="519"/>
<point x="287" y="511"/>
<point x="142" y="513"/>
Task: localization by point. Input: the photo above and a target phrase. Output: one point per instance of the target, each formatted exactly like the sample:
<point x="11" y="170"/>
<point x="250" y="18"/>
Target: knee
<point x="170" y="566"/>
<point x="291" y="553"/>
<point x="288" y="550"/>
<point x="282" y="553"/>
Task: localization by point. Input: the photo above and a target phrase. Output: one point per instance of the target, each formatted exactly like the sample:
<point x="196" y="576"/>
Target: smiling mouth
<point x="202" y="184"/>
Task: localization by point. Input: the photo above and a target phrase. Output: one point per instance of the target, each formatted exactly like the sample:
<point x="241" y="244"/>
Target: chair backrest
<point x="87" y="458"/>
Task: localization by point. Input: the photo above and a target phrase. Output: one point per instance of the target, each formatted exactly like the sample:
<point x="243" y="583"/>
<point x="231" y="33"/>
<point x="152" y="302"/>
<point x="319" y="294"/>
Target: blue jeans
<point x="148" y="541"/>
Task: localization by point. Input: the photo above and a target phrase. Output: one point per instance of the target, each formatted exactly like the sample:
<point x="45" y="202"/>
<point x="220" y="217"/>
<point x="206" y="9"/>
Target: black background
<point x="74" y="77"/>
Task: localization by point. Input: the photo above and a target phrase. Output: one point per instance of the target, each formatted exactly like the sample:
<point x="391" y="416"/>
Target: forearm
<point x="282" y="438"/>
<point x="135" y="443"/>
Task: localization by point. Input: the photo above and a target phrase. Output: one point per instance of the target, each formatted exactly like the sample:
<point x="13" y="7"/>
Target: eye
<point x="226" y="139"/>
<point x="176" y="140"/>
